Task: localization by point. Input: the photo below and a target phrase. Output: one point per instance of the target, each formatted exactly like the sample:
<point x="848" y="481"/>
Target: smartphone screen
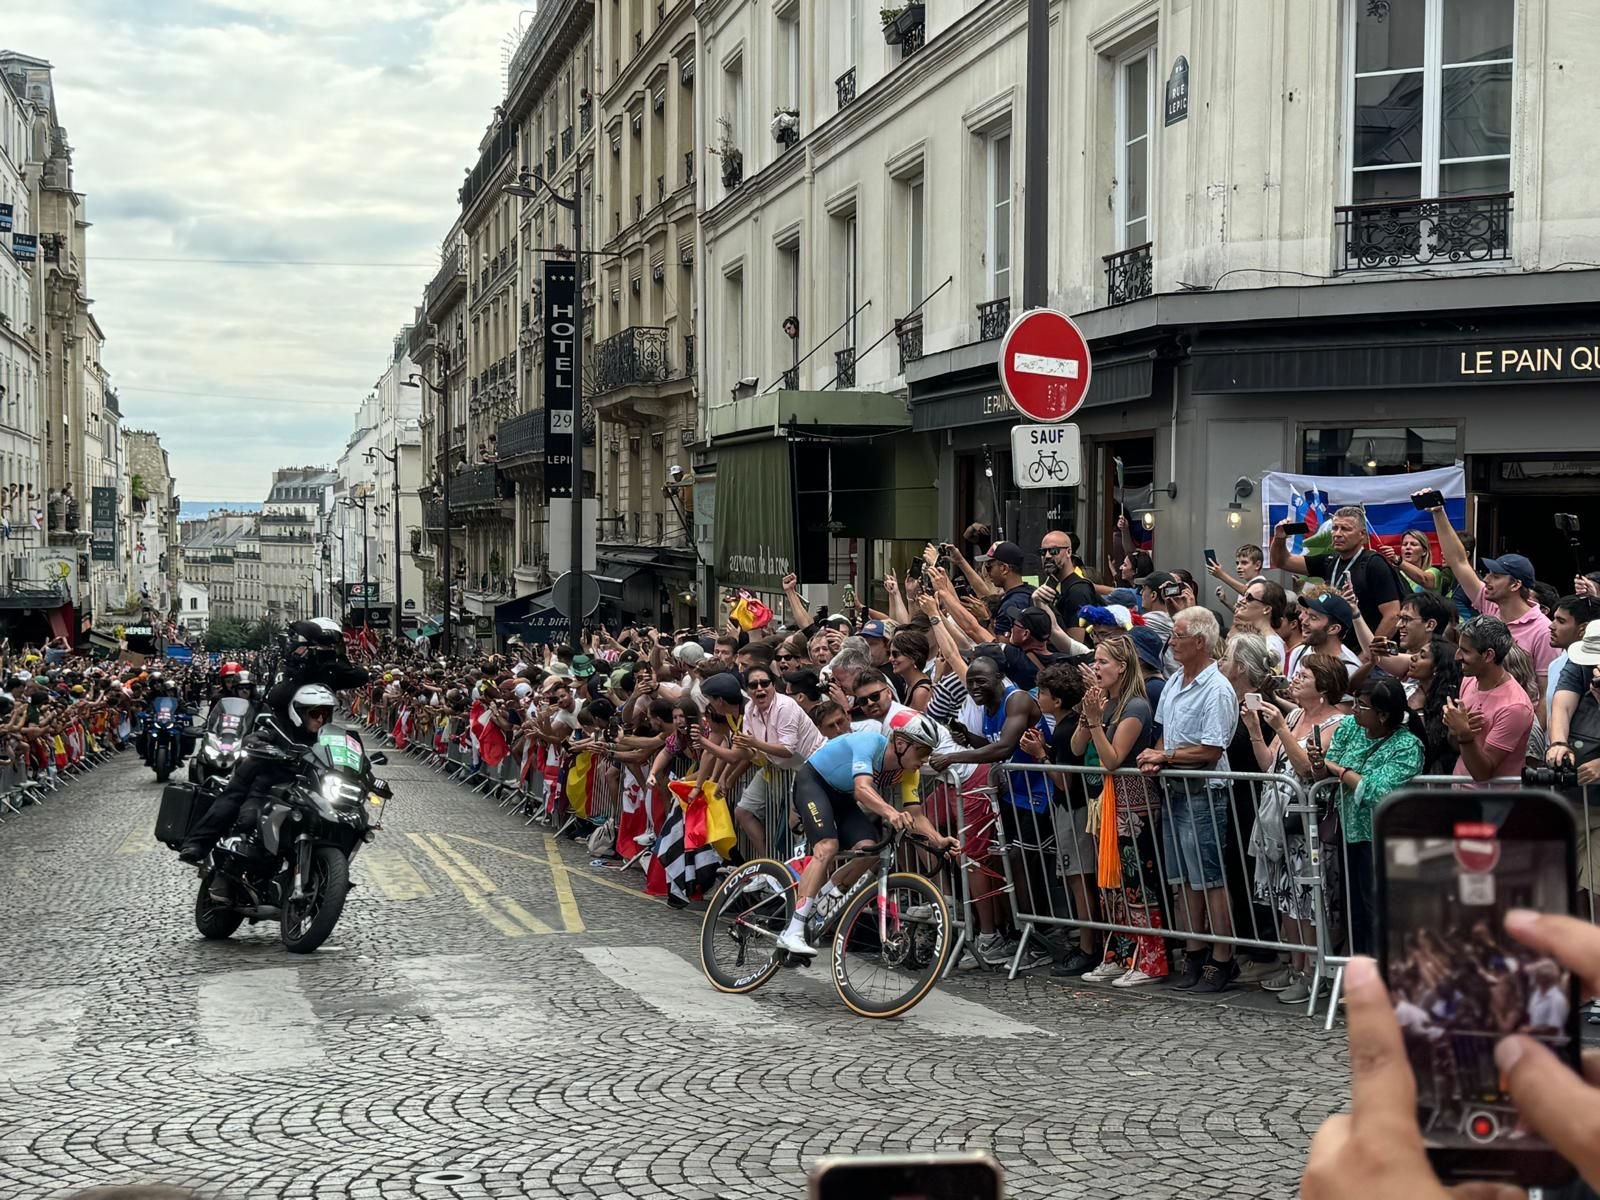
<point x="1297" y="527"/>
<point x="909" y="1177"/>
<point x="1450" y="865"/>
<point x="1211" y="555"/>
<point x="1429" y="499"/>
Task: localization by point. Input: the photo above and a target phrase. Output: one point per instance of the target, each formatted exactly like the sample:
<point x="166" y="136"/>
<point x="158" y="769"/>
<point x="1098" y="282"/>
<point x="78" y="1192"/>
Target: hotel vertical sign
<point x="561" y="352"/>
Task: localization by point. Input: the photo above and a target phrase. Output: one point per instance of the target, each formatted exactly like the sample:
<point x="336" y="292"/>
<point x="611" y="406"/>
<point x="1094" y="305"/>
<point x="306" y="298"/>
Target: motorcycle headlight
<point x="211" y="752"/>
<point x="339" y="793"/>
<point x="331" y="791"/>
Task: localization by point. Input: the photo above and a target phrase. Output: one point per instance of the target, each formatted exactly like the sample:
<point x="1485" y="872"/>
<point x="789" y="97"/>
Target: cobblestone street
<point x="495" y="1010"/>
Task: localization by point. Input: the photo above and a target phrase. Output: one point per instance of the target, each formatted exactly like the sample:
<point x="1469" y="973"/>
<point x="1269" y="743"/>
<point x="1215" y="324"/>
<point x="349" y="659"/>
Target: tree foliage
<point x="230" y="633"/>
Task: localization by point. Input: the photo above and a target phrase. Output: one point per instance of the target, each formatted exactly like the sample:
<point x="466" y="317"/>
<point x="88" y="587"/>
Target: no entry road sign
<point x="1044" y="365"/>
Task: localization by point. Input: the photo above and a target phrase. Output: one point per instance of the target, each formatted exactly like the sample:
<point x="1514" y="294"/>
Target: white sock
<point x="830" y="891"/>
<point x="797" y="923"/>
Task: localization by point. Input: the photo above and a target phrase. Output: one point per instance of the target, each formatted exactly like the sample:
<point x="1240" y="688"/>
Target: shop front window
<point x="1378" y="449"/>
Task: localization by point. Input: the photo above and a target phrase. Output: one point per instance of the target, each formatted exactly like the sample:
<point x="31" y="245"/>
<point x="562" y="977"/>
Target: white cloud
<point x="283" y="129"/>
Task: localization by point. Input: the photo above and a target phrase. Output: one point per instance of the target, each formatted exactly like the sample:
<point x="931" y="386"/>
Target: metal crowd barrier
<point x="1192" y="860"/>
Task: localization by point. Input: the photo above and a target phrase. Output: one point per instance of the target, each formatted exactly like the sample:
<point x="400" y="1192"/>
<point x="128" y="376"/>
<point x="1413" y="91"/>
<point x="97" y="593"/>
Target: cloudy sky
<point x="325" y="131"/>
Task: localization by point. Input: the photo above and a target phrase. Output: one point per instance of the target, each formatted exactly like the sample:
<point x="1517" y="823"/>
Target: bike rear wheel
<point x="739" y="936"/>
<point x="883" y="967"/>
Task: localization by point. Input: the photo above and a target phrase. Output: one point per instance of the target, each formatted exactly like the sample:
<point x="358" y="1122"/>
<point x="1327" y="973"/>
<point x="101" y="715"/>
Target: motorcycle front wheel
<point x="163" y="763"/>
<point x="214" y="921"/>
<point x="306" y="924"/>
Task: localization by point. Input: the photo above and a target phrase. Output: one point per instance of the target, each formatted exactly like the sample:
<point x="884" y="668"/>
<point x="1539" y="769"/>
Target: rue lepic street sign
<point x="1044" y="365"/>
<point x="1046" y="456"/>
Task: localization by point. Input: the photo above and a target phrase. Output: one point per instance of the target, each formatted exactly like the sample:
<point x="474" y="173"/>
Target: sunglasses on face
<point x="881" y="696"/>
<point x="785" y="657"/>
<point x="1051" y="551"/>
<point x="759" y="685"/>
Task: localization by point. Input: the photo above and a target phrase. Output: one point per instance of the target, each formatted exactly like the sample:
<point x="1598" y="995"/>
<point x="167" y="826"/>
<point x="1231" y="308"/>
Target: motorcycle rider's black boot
<point x="193" y="853"/>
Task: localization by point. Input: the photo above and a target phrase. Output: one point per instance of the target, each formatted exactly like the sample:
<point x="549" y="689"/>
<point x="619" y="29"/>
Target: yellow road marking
<point x="481" y="881"/>
<point x="393" y="873"/>
<point x="558" y="873"/>
<point x="539" y="858"/>
<point x="469" y="891"/>
<point x="138" y="841"/>
<point x="521" y="915"/>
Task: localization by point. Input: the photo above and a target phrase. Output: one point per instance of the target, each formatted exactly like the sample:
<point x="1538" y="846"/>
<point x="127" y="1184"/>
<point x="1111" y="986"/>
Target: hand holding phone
<point x="1428" y="499"/>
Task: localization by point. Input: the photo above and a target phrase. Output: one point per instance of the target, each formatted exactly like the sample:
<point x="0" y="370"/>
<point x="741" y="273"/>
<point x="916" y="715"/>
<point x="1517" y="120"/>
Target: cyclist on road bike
<point x="839" y="795"/>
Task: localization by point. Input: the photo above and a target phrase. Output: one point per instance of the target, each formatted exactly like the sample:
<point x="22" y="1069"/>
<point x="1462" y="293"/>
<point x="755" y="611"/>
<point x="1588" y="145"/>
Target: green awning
<point x="424" y="631"/>
<point x="753" y="531"/>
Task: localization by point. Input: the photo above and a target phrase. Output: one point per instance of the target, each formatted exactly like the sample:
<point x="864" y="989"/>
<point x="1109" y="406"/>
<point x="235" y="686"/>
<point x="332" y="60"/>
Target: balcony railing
<point x="994" y="318"/>
<point x="522" y="434"/>
<point x="844" y="363"/>
<point x="450" y="273"/>
<point x="550" y="161"/>
<point x="1395" y="233"/>
<point x="688" y="355"/>
<point x="636" y="355"/>
<point x="790" y="380"/>
<point x="478" y="486"/>
<point x="688" y="168"/>
<point x="566" y="142"/>
<point x="433" y="514"/>
<point x="908" y="333"/>
<point x="845" y="88"/>
<point x="585" y="117"/>
<point x="915" y="37"/>
<point x="1129" y="274"/>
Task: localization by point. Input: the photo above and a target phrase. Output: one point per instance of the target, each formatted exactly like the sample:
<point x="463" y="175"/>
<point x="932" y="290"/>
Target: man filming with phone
<point x="1370" y="574"/>
<point x="1064" y="587"/>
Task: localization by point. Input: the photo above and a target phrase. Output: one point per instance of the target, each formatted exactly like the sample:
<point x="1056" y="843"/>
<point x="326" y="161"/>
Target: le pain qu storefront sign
<point x="1559" y="361"/>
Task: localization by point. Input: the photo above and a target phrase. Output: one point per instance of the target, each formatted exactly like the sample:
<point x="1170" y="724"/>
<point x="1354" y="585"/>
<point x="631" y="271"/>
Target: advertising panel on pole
<point x="1044" y="365"/>
<point x="103" y="524"/>
<point x="561" y="352"/>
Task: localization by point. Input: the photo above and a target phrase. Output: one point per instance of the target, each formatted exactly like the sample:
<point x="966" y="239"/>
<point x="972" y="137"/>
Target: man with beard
<point x="1370" y="574"/>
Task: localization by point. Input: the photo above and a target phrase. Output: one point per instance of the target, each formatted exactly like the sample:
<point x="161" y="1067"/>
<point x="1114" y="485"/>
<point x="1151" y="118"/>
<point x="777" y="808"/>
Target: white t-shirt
<point x="1548" y="1008"/>
<point x="1349" y="659"/>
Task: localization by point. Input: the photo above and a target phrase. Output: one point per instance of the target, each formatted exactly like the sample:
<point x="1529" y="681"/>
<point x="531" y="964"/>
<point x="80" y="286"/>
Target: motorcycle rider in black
<point x="309" y="709"/>
<point x="315" y="655"/>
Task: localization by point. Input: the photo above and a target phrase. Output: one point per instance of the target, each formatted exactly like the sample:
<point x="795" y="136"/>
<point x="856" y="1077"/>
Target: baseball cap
<point x="1514" y="565"/>
<point x="1035" y="620"/>
<point x="690" y="654"/>
<point x="838" y="621"/>
<point x="1007" y="552"/>
<point x="1154" y="580"/>
<point x="724" y="686"/>
<point x="1332" y="606"/>
<point x="875" y="629"/>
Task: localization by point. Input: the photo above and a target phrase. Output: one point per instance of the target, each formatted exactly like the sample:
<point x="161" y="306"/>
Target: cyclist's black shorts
<point x="827" y="814"/>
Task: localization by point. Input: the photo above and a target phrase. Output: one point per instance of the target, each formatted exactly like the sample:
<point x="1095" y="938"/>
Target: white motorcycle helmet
<point x="307" y="700"/>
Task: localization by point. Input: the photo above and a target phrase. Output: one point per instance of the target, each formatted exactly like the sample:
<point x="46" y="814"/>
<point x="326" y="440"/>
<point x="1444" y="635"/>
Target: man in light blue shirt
<point x="1198" y="713"/>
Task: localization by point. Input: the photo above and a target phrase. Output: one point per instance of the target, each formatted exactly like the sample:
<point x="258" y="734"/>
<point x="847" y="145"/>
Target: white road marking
<point x="37" y="1030"/>
<point x="251" y="1021"/>
<point x="475" y="1004"/>
<point x="940" y="1014"/>
<point x="681" y="992"/>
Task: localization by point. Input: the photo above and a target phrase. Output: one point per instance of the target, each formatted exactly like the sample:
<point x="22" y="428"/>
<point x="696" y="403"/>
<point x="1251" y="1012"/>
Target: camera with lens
<point x="1563" y="776"/>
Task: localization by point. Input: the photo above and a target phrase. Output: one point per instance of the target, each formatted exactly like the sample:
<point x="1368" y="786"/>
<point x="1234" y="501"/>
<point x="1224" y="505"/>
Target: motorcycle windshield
<point x="165" y="705"/>
<point x="231" y="718"/>
<point x="341" y="750"/>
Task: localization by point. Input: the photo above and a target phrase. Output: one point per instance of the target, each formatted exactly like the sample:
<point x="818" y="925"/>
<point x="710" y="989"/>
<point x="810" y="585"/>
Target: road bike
<point x="890" y="932"/>
<point x="1049" y="463"/>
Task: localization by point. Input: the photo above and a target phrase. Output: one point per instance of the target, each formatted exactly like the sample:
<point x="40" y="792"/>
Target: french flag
<point x="1386" y="499"/>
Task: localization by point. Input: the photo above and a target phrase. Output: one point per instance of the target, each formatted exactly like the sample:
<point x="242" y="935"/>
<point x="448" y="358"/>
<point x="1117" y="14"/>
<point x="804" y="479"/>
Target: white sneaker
<point x="644" y="839"/>
<point x="1134" y="978"/>
<point x="1106" y="970"/>
<point x="795" y="943"/>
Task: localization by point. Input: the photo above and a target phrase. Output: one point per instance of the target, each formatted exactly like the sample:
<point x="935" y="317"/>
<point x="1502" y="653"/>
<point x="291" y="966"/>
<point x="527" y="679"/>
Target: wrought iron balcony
<point x="688" y="355"/>
<point x="1395" y="233"/>
<point x="433" y="514"/>
<point x="845" y="88"/>
<point x="844" y="362"/>
<point x="636" y="355"/>
<point x="566" y="142"/>
<point x="452" y="273"/>
<point x="661" y="188"/>
<point x="477" y="487"/>
<point x="550" y="161"/>
<point x="522" y="434"/>
<point x="688" y="168"/>
<point x="908" y="333"/>
<point x="994" y="318"/>
<point x="1129" y="274"/>
<point x="914" y="39"/>
<point x="585" y="117"/>
<point x="790" y="381"/>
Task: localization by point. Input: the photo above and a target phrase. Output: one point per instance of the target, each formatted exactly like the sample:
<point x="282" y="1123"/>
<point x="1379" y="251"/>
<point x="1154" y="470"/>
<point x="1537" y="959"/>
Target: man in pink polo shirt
<point x="1494" y="717"/>
<point x="1501" y="587"/>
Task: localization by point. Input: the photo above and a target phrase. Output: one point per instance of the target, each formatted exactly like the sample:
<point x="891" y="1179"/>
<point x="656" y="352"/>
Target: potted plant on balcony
<point x="898" y="22"/>
<point x="732" y="157"/>
<point x="786" y="126"/>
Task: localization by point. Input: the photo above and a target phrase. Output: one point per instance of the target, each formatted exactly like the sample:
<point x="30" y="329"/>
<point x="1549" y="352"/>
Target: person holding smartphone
<point x="1368" y="572"/>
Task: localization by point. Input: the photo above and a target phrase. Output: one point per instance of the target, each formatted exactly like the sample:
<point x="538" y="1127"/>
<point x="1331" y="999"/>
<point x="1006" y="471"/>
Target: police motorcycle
<point x="227" y="723"/>
<point x="291" y="864"/>
<point x="164" y="728"/>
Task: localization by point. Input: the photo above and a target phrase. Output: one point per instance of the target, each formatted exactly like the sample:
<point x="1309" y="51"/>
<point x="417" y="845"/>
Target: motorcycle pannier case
<point x="182" y="804"/>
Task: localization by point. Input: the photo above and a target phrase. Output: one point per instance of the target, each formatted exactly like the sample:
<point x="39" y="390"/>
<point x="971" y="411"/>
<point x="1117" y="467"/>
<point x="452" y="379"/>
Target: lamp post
<point x="365" y="602"/>
<point x="394" y="461"/>
<point x="419" y="380"/>
<point x="573" y="204"/>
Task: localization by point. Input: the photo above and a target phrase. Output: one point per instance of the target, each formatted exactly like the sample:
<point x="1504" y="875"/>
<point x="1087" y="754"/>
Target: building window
<point x="1430" y="99"/>
<point x="999" y="241"/>
<point x="1135" y="117"/>
<point x="850" y="278"/>
<point x="914" y="243"/>
<point x="1378" y="449"/>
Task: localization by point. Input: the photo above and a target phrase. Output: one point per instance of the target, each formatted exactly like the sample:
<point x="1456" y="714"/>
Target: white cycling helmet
<point x="917" y="728"/>
<point x="307" y="700"/>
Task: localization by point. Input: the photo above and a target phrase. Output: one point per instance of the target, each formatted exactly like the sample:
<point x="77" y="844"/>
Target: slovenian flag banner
<point x="1386" y="498"/>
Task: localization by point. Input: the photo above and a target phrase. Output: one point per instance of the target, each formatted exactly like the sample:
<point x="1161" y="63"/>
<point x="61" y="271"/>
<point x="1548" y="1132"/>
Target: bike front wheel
<point x="889" y="954"/>
<point x="739" y="937"/>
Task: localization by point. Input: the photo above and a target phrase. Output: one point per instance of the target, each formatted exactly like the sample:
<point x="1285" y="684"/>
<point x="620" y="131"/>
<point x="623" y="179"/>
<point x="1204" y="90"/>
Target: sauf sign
<point x="1045" y="369"/>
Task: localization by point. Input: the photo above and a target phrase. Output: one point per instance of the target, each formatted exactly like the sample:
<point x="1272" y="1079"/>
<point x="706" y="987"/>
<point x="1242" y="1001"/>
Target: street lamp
<point x="416" y="379"/>
<point x="394" y="461"/>
<point x="574" y="204"/>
